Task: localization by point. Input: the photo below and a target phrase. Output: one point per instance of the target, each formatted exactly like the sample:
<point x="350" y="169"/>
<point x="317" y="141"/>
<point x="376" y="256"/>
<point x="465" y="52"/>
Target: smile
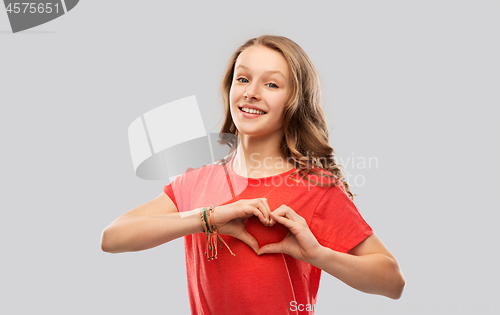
<point x="252" y="111"/>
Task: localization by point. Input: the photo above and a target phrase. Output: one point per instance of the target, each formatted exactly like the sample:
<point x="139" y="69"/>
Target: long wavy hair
<point x="306" y="136"/>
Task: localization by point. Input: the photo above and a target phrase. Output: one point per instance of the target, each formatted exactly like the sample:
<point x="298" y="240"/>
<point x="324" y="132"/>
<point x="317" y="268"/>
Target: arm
<point x="368" y="267"/>
<point x="158" y="221"/>
<point x="148" y="225"/>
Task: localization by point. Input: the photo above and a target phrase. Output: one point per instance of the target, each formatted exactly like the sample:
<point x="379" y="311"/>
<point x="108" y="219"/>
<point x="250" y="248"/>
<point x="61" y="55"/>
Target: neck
<point x="260" y="157"/>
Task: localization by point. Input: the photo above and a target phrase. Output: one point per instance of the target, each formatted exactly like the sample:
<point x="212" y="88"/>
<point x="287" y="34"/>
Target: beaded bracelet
<point x="210" y="230"/>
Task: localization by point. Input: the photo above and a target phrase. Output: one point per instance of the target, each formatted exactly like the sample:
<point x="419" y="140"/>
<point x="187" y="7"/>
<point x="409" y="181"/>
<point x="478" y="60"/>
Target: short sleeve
<point x="169" y="191"/>
<point x="180" y="189"/>
<point x="175" y="190"/>
<point x="337" y="223"/>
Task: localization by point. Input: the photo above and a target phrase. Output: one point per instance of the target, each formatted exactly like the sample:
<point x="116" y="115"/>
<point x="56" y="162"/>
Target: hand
<point x="230" y="219"/>
<point x="299" y="243"/>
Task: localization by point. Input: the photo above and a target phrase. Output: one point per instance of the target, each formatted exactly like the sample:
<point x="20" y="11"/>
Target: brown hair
<point x="306" y="137"/>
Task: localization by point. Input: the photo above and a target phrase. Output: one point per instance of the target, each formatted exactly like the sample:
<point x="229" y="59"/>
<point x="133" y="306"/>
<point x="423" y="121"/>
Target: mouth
<point x="252" y="111"/>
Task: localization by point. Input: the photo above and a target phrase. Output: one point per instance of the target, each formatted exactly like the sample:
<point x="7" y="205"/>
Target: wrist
<point x="214" y="240"/>
<point x="318" y="256"/>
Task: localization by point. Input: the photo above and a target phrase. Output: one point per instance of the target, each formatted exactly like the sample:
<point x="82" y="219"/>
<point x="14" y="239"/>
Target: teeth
<point x="252" y="111"/>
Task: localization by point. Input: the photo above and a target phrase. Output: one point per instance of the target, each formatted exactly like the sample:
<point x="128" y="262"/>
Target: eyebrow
<point x="267" y="72"/>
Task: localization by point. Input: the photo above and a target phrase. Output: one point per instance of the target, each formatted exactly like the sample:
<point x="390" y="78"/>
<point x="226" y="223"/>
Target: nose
<point x="252" y="92"/>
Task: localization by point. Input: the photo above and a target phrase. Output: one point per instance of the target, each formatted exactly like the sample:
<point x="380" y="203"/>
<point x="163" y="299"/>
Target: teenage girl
<point x="261" y="224"/>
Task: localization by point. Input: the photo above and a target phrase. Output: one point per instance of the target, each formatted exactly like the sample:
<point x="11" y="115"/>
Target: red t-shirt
<point x="271" y="283"/>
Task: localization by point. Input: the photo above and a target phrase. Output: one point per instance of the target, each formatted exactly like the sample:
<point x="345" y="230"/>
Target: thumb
<point x="248" y="239"/>
<point x="270" y="249"/>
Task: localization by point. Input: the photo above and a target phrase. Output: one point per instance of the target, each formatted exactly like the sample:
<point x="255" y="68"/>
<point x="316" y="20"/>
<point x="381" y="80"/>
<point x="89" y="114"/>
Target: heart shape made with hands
<point x="265" y="234"/>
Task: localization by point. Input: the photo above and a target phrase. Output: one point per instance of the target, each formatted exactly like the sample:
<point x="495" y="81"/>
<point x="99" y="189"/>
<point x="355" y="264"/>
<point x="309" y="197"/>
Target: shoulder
<point x="331" y="189"/>
<point x="200" y="173"/>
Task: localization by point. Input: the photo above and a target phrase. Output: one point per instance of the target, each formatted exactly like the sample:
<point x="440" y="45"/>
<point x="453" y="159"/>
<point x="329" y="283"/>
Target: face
<point x="259" y="92"/>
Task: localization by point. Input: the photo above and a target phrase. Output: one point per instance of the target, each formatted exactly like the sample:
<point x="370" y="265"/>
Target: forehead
<point x="261" y="59"/>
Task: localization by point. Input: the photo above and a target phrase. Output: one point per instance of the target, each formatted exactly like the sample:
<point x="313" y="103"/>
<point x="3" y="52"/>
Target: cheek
<point x="232" y="100"/>
<point x="278" y="101"/>
<point x="234" y="92"/>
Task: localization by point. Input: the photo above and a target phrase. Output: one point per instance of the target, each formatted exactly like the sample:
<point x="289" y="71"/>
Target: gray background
<point x="414" y="84"/>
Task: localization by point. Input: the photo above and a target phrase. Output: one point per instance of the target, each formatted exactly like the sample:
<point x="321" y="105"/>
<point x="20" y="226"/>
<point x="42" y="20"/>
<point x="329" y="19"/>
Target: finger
<point x="267" y="209"/>
<point x="256" y="211"/>
<point x="263" y="213"/>
<point x="252" y="210"/>
<point x="271" y="220"/>
<point x="289" y="213"/>
<point x="281" y="211"/>
<point x="282" y="219"/>
<point x="248" y="239"/>
<point x="270" y="249"/>
<point x="263" y="208"/>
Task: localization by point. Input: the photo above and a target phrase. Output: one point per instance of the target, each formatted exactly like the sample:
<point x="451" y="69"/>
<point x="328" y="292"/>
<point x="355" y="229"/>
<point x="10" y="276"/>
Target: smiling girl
<point x="278" y="202"/>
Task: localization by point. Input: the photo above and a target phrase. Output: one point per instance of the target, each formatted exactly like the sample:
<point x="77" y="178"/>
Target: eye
<point x="242" y="80"/>
<point x="272" y="85"/>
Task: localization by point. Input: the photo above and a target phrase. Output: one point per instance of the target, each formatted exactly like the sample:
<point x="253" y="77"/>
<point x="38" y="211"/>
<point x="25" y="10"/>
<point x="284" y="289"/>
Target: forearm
<point x="372" y="273"/>
<point x="139" y="232"/>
